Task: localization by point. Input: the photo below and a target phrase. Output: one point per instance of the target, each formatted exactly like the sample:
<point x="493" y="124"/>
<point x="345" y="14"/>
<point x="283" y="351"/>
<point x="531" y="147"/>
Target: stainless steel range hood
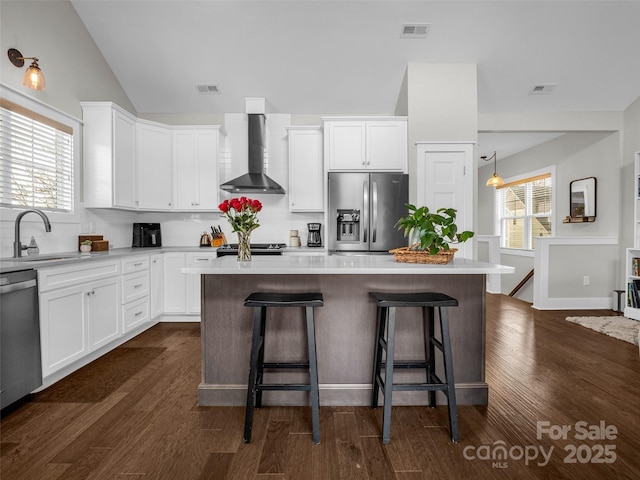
<point x="255" y="181"/>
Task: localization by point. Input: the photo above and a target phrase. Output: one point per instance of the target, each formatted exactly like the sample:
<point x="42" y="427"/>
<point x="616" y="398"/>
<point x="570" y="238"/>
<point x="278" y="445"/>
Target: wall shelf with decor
<point x="632" y="298"/>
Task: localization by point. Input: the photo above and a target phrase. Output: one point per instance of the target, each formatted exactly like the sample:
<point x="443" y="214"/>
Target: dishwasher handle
<point x="14" y="287"/>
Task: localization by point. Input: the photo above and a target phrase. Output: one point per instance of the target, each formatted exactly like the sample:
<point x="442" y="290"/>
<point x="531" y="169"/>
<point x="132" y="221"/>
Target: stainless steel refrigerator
<point x="363" y="211"/>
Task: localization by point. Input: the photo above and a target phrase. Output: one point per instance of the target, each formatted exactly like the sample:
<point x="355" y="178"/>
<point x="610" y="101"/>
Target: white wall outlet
<point x="586" y="280"/>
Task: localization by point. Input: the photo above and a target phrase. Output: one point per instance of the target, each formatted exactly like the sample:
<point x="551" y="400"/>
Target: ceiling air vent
<point x="208" y="89"/>
<point x="543" y="89"/>
<point x="415" y="30"/>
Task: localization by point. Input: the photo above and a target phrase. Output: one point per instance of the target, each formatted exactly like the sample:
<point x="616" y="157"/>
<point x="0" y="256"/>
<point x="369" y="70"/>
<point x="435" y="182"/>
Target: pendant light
<point x="495" y="180"/>
<point x="33" y="76"/>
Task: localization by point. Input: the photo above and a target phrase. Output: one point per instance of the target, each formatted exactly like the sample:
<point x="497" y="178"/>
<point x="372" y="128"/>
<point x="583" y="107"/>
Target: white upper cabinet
<point x="136" y="164"/>
<point x="155" y="166"/>
<point x="306" y="183"/>
<point x="195" y="155"/>
<point x="110" y="177"/>
<point x="363" y="143"/>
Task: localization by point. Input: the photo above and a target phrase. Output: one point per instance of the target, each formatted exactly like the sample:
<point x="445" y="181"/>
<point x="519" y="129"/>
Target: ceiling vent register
<point x="415" y="30"/>
<point x="208" y="89"/>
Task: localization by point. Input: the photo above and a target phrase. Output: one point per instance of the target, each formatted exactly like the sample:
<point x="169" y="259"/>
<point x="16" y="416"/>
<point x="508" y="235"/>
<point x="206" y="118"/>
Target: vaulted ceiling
<point x="349" y="57"/>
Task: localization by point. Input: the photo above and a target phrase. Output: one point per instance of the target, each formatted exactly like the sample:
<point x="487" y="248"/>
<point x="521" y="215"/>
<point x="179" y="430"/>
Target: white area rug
<point x="621" y="328"/>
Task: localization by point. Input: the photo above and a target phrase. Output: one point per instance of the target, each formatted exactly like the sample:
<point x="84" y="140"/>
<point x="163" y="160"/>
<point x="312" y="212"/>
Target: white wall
<point x="75" y="71"/>
<point x="576" y="155"/>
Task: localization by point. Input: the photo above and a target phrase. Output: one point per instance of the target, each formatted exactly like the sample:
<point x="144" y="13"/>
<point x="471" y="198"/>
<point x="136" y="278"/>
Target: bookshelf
<point x="632" y="259"/>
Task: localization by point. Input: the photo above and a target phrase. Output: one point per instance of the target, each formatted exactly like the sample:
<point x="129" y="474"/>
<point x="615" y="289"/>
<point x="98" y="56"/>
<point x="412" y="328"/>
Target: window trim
<point x="41" y="108"/>
<point x="550" y="170"/>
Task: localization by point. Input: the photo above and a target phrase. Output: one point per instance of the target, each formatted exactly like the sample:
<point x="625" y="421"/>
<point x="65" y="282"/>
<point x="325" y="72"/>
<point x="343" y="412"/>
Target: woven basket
<point x="407" y="255"/>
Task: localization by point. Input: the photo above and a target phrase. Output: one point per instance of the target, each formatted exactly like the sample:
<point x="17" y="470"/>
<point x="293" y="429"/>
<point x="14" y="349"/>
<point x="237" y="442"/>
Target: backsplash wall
<point x="178" y="229"/>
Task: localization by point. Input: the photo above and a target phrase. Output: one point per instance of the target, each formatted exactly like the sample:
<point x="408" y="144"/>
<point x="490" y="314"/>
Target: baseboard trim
<point x="337" y="395"/>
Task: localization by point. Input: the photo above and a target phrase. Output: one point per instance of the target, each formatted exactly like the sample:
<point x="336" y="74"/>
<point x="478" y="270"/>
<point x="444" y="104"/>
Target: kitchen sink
<point x="49" y="258"/>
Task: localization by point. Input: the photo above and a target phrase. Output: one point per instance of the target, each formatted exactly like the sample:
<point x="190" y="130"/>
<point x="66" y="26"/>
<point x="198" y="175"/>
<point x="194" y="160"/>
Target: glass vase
<point x="244" y="247"/>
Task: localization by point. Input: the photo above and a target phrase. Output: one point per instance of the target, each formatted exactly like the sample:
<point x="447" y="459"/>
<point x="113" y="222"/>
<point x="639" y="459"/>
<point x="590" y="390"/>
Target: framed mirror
<point x="582" y="199"/>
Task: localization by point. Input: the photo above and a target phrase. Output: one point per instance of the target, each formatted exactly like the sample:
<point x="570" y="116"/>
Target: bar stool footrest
<point x="285" y="365"/>
<point x="284" y="386"/>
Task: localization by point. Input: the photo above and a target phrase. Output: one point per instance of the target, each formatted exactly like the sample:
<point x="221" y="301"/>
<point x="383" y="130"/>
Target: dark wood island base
<point x="345" y="332"/>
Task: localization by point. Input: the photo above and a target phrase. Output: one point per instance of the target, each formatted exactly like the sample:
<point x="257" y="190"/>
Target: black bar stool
<point x="386" y="320"/>
<point x="260" y="301"/>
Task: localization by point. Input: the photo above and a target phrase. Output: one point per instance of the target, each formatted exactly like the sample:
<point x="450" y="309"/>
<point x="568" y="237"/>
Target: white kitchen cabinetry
<point x="195" y="156"/>
<point x="110" y="174"/>
<point x="155" y="166"/>
<point x="445" y="179"/>
<point x="366" y="143"/>
<point x="79" y="311"/>
<point x="193" y="281"/>
<point x="306" y="173"/>
<point x="181" y="291"/>
<point x="175" y="283"/>
<point x="156" y="294"/>
<point x="135" y="292"/>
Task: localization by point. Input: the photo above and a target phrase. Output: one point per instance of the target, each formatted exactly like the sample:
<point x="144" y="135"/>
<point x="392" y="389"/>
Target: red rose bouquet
<point x="242" y="215"/>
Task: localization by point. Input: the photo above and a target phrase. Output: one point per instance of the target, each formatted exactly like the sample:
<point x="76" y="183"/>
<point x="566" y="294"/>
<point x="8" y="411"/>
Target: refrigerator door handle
<point x="365" y="203"/>
<point x="374" y="211"/>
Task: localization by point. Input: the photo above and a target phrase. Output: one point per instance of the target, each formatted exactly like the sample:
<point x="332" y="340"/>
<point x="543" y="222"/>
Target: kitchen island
<point x="345" y="325"/>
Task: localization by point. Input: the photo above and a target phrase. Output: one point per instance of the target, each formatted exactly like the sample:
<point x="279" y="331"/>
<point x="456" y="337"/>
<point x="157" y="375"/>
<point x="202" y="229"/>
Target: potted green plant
<point x="85" y="246"/>
<point x="432" y="233"/>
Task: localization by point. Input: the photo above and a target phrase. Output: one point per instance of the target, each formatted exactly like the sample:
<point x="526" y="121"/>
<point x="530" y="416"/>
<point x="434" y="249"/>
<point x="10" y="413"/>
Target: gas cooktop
<point x="256" y="249"/>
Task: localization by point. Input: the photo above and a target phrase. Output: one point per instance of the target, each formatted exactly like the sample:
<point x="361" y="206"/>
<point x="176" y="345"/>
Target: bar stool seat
<point x="386" y="321"/>
<point x="260" y="301"/>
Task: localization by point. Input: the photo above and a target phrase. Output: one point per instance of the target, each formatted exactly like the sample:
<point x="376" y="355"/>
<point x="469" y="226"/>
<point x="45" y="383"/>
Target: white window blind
<point x="36" y="160"/>
<point x="523" y="211"/>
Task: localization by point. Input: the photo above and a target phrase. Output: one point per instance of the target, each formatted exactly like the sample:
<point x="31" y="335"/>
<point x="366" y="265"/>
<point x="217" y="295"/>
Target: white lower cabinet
<point x="81" y="315"/>
<point x="193" y="281"/>
<point x="175" y="283"/>
<point x="181" y="291"/>
<point x="135" y="291"/>
<point x="156" y="285"/>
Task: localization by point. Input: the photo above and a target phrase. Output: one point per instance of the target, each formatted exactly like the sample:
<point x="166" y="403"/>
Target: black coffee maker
<point x="146" y="235"/>
<point x="314" y="239"/>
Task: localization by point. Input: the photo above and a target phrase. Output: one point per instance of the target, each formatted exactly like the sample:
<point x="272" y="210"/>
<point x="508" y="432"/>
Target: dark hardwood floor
<point x="133" y="414"/>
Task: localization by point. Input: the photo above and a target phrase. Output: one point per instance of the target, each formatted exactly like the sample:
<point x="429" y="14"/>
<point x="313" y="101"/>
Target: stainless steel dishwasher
<point x="20" y="363"/>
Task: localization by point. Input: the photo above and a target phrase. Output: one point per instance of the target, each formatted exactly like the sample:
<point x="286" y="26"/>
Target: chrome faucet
<point x="17" y="246"/>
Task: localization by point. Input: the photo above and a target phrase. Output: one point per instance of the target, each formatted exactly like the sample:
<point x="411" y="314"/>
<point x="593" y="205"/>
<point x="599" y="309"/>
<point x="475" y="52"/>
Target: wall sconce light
<point x="33" y="77"/>
<point x="495" y="180"/>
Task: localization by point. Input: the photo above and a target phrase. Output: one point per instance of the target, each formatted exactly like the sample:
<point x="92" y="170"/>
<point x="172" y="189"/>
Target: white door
<point x="387" y="146"/>
<point x="63" y="325"/>
<point x="445" y="180"/>
<point x="103" y="303"/>
<point x="306" y="185"/>
<point x="125" y="192"/>
<point x="346" y="145"/>
<point x="155" y="167"/>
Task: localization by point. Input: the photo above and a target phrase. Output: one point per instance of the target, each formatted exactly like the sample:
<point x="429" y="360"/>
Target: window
<point x="524" y="211"/>
<point x="36" y="160"/>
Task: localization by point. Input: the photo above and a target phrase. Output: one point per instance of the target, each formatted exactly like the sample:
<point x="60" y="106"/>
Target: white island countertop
<point x="339" y="264"/>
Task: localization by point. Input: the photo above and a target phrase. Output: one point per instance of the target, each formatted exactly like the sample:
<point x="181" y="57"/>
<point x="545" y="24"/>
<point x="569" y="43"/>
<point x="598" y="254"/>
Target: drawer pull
<point x="137" y="314"/>
<point x="138" y="264"/>
<point x="138" y="285"/>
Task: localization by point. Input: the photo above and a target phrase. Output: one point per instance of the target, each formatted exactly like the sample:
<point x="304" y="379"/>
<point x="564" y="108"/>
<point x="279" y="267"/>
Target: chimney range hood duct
<point x="255" y="181"/>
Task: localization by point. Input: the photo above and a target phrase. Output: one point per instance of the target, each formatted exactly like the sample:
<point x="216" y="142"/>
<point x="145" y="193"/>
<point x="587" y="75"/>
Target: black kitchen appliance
<point x="256" y="249"/>
<point x="314" y="239"/>
<point x="146" y="235"/>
